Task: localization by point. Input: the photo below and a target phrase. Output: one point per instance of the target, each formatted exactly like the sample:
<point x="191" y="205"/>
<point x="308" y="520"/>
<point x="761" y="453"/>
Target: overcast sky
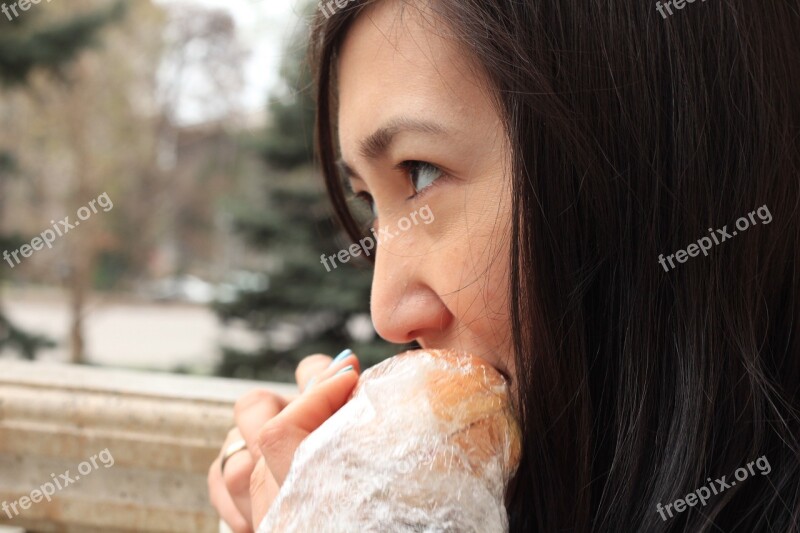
<point x="265" y="27"/>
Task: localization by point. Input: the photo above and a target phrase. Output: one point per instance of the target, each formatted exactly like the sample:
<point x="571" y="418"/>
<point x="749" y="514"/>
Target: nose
<point x="404" y="304"/>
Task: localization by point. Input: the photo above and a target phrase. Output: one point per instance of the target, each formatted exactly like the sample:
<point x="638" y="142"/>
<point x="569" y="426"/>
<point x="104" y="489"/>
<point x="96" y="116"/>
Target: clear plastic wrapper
<point x="426" y="443"/>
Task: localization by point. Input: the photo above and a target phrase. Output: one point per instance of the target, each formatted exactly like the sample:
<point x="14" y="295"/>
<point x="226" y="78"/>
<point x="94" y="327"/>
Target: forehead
<point x="396" y="60"/>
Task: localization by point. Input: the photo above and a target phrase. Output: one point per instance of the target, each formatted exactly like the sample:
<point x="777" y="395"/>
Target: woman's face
<point x="421" y="141"/>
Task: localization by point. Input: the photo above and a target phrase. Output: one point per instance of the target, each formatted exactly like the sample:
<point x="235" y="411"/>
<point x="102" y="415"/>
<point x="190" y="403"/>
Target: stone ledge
<point x="163" y="431"/>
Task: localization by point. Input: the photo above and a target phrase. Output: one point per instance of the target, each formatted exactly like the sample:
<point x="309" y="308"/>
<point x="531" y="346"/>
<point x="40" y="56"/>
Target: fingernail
<point x="311" y="382"/>
<point x="348" y="368"/>
<point x="340" y="357"/>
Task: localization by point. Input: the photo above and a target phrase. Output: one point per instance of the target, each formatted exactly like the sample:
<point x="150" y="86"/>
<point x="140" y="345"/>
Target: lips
<point x="499" y="367"/>
<point x="504" y="374"/>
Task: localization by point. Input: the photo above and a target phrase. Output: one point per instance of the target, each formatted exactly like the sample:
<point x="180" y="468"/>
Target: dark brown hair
<point x="633" y="137"/>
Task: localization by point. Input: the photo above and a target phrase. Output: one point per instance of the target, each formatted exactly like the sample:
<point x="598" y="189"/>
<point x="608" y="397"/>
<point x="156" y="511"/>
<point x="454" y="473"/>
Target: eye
<point x="422" y="174"/>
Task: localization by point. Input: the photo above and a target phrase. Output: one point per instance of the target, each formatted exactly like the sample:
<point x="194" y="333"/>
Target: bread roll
<point x="426" y="443"/>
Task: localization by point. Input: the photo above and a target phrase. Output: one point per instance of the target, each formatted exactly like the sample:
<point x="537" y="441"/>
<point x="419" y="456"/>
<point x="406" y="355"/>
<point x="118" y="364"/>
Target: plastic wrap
<point x="426" y="443"/>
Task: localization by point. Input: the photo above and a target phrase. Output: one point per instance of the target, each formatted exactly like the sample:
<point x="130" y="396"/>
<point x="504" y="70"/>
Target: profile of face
<point x="417" y="128"/>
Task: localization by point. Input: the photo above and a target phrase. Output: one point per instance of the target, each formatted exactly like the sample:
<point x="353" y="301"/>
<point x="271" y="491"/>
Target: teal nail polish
<point x="310" y="382"/>
<point x="340" y="357"/>
<point x="348" y="368"/>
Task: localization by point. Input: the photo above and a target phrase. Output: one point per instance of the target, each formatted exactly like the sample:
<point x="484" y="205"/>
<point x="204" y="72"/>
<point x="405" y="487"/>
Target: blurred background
<point x="195" y="119"/>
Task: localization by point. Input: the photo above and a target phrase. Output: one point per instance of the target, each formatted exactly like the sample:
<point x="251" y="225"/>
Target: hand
<point x="281" y="435"/>
<point x="230" y="494"/>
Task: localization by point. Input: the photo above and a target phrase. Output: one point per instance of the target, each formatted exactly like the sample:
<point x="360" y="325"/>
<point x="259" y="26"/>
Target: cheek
<point x="494" y="318"/>
<point x="475" y="283"/>
<point x="497" y="286"/>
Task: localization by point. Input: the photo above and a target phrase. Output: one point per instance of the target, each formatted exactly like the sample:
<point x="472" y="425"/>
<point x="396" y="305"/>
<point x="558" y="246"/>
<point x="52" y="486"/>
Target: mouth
<point x="504" y="373"/>
<point x="498" y="366"/>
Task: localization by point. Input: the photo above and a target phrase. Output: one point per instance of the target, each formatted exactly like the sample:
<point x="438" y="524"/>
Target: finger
<point x="347" y="357"/>
<point x="280" y="437"/>
<point x="312" y="368"/>
<point x="263" y="491"/>
<point x="223" y="503"/>
<point x="236" y="477"/>
<point x="250" y="413"/>
<point x="309" y="367"/>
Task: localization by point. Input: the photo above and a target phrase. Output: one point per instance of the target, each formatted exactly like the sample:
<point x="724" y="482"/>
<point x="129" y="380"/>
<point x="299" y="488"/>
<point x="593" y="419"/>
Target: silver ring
<point x="232" y="449"/>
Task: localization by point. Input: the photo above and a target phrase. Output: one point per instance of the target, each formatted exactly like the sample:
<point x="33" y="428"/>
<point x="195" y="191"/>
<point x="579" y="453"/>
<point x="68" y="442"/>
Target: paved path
<point x="130" y="334"/>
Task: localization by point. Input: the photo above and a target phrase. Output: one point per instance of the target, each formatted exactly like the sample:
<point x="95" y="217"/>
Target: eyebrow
<point x="377" y="143"/>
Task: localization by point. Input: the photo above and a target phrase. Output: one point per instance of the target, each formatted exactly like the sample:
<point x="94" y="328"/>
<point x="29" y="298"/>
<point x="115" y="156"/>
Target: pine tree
<point x="296" y="226"/>
<point x="25" y="46"/>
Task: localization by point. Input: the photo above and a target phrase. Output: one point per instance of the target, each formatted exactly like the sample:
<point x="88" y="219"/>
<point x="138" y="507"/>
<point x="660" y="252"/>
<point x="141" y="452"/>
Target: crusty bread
<point x="473" y="400"/>
<point x="427" y="442"/>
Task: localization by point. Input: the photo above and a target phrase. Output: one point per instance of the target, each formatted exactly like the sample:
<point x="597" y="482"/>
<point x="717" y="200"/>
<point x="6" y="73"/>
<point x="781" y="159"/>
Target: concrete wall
<point x="161" y="432"/>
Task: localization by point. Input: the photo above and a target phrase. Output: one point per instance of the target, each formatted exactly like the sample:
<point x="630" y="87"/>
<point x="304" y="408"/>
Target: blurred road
<point x="130" y="334"/>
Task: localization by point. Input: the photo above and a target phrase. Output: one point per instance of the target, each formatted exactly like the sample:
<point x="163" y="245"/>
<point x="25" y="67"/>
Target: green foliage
<point x="12" y="241"/>
<point x="289" y="140"/>
<point x="8" y="163"/>
<point x="25" y="344"/>
<point x="296" y="226"/>
<point x="22" y="48"/>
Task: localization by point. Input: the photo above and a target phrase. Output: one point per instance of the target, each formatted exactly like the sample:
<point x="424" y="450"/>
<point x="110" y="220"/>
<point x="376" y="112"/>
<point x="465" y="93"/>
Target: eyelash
<point x="407" y="166"/>
<point x="410" y="165"/>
